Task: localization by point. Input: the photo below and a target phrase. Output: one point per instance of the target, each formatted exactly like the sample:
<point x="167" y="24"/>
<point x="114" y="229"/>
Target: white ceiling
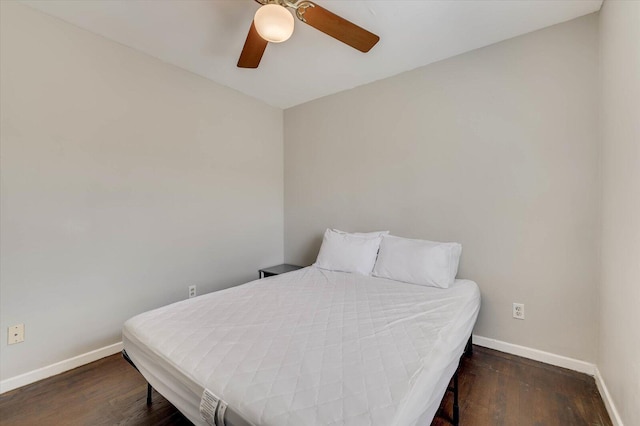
<point x="206" y="37"/>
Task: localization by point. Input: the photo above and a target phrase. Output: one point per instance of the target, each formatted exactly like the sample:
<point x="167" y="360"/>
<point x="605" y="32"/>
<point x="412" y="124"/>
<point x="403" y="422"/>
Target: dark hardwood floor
<point x="495" y="389"/>
<point x="501" y="389"/>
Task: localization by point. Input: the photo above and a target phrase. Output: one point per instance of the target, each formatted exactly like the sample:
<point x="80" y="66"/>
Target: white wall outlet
<point x="192" y="291"/>
<point x="518" y="311"/>
<point x="15" y="334"/>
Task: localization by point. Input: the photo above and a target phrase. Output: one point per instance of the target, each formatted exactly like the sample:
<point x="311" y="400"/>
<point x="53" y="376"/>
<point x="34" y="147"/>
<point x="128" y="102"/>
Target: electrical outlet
<point x="518" y="311"/>
<point x="192" y="291"/>
<point x="15" y="334"/>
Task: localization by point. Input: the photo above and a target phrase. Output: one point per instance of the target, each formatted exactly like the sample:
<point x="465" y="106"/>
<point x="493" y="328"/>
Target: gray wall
<point x="124" y="180"/>
<point x="496" y="149"/>
<point x="619" y="297"/>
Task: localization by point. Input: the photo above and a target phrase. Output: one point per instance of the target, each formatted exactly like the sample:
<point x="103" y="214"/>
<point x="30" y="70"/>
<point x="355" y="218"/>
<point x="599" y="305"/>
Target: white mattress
<point x="310" y="347"/>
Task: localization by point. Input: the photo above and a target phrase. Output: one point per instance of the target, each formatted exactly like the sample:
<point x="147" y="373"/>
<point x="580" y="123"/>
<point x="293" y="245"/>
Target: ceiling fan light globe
<point x="274" y="23"/>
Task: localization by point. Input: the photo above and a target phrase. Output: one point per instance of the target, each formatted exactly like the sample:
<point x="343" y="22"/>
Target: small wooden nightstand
<point x="277" y="270"/>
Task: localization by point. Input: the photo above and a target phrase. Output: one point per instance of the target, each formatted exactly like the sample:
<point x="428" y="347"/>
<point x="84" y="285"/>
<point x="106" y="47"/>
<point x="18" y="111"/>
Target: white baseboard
<point x="608" y="401"/>
<point x="57" y="368"/>
<point x="536" y="355"/>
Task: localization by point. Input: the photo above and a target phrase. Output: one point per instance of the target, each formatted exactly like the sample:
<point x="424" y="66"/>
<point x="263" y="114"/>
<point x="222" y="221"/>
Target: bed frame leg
<point x="149" y="398"/>
<point x="456" y="407"/>
<point x="149" y="388"/>
<point x="149" y="394"/>
<point x="468" y="349"/>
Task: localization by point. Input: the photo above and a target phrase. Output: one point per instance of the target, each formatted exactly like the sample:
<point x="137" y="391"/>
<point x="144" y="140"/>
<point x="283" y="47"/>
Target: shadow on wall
<point x="311" y="253"/>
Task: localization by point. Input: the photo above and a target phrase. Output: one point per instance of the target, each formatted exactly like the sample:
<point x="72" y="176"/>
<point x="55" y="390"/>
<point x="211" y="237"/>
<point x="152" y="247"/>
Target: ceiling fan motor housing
<point x="274" y="23"/>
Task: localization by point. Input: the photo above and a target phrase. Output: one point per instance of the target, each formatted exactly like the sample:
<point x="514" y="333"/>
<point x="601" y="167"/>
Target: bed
<point x="310" y="347"/>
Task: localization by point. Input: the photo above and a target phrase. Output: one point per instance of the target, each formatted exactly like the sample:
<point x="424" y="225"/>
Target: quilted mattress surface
<point x="315" y="347"/>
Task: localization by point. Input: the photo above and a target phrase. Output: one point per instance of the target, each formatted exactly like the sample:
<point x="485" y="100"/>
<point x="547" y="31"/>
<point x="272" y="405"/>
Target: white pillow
<point x="363" y="234"/>
<point x="348" y="253"/>
<point x="420" y="262"/>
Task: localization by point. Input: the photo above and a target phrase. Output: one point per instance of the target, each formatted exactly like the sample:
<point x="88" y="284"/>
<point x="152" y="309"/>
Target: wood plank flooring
<point x="495" y="389"/>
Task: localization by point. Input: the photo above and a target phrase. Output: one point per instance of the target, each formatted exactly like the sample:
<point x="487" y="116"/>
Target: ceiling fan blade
<point x="337" y="27"/>
<point x="253" y="49"/>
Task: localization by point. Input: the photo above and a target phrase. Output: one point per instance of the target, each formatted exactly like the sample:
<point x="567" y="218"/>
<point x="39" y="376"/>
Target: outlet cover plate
<point x="518" y="311"/>
<point x="15" y="334"/>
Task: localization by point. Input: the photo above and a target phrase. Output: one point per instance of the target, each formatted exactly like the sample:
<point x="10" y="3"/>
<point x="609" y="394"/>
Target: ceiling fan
<point x="274" y="23"/>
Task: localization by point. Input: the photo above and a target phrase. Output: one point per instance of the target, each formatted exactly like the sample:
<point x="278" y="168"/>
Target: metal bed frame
<point x="468" y="351"/>
<point x="455" y="388"/>
<point x="149" y="388"/>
